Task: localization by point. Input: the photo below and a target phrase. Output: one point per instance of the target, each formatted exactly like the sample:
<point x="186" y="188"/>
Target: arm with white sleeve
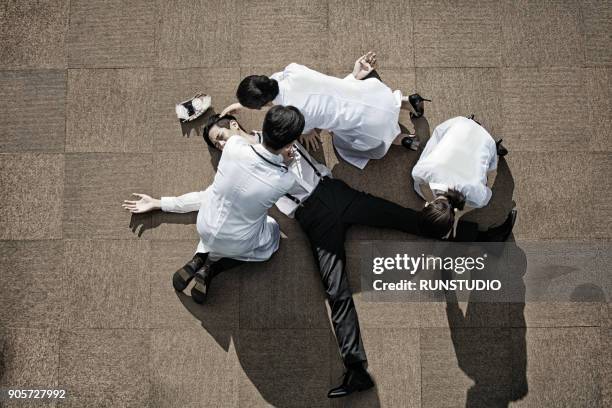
<point x="185" y="203"/>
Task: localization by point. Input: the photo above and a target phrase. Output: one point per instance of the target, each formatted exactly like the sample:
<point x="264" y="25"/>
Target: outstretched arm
<point x="231" y="109"/>
<point x="182" y="204"/>
<point x="235" y="107"/>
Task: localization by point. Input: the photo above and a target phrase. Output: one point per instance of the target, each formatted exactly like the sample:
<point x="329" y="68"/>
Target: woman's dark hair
<point x="218" y="120"/>
<point x="437" y="219"/>
<point x="282" y="125"/>
<point x="255" y="91"/>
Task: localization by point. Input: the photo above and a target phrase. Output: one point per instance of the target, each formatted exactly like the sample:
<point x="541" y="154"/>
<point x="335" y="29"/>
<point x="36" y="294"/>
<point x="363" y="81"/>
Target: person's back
<point x="328" y="102"/>
<point x="458" y="155"/>
<point x="244" y="188"/>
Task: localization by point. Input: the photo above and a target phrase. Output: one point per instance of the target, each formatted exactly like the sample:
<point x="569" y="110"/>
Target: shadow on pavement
<point x="494" y="358"/>
<point x="285" y="369"/>
<point x="282" y="385"/>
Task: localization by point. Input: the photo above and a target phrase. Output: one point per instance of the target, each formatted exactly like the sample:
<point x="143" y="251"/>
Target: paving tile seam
<point x="299" y="328"/>
<point x="334" y="67"/>
<point x="560" y="327"/>
<point x="32" y="240"/>
<point x="33" y="152"/>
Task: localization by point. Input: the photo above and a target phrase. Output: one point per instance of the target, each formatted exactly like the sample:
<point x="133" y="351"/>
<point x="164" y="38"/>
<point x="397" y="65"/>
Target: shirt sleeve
<point x="494" y="159"/>
<point x="418" y="179"/>
<point x="278" y="76"/>
<point x="183" y="204"/>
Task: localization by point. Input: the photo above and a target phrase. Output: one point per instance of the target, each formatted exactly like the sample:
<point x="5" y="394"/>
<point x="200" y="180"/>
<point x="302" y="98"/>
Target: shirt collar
<point x="274" y="158"/>
<point x="257" y="134"/>
<point x="438" y="187"/>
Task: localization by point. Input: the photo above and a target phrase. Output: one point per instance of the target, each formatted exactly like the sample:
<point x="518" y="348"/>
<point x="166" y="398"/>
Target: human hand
<point x="311" y="140"/>
<point x="144" y="204"/>
<point x="231" y="109"/>
<point x="364" y="65"/>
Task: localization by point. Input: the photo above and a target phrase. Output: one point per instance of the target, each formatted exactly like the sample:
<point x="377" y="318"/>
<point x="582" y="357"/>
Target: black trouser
<point x="221" y="265"/>
<point x="325" y="217"/>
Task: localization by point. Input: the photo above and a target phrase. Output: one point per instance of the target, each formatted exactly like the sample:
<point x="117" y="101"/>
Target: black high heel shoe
<point x="411" y="142"/>
<point x="472" y="117"/>
<point x="501" y="150"/>
<point x="418" y="104"/>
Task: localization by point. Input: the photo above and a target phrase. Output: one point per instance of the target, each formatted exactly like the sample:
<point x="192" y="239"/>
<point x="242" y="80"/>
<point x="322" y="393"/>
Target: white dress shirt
<point x="458" y="155"/>
<point x="362" y="114"/>
<point x="232" y="213"/>
<point x="306" y="179"/>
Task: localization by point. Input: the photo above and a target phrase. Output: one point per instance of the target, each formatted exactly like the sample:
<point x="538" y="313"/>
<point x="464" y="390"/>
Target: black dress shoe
<point x="418" y="104"/>
<point x="501" y="150"/>
<point x="199" y="291"/>
<point x="355" y="379"/>
<point x="183" y="276"/>
<point x="411" y="143"/>
<point x="502" y="233"/>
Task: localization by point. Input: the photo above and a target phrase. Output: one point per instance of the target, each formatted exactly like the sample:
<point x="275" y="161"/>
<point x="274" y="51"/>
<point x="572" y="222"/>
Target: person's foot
<point x="183" y="276"/>
<point x="199" y="291"/>
<point x="355" y="379"/>
<point x="502" y="232"/>
<point x="410" y="142"/>
<point x="417" y="102"/>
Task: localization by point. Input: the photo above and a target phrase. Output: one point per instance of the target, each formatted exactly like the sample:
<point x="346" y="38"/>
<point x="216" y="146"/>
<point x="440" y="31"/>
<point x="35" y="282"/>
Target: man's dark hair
<point x="282" y="125"/>
<point x="255" y="91"/>
<point x="218" y="120"/>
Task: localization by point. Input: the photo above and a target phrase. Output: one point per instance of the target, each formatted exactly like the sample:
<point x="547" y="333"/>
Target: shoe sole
<point x="360" y="389"/>
<point x="181" y="279"/>
<point x="199" y="291"/>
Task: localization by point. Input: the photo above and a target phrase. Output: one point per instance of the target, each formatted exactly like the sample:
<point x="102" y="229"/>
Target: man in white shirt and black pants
<point x="326" y="208"/>
<point x="232" y="222"/>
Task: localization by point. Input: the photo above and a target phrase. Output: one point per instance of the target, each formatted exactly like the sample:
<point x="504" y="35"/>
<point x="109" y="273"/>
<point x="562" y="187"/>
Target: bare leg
<point x="404" y="133"/>
<point x="408" y="106"/>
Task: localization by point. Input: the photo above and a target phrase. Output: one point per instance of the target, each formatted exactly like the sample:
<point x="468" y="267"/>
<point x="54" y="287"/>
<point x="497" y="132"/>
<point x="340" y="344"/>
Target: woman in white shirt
<point x="361" y="113"/>
<point x="455" y="173"/>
